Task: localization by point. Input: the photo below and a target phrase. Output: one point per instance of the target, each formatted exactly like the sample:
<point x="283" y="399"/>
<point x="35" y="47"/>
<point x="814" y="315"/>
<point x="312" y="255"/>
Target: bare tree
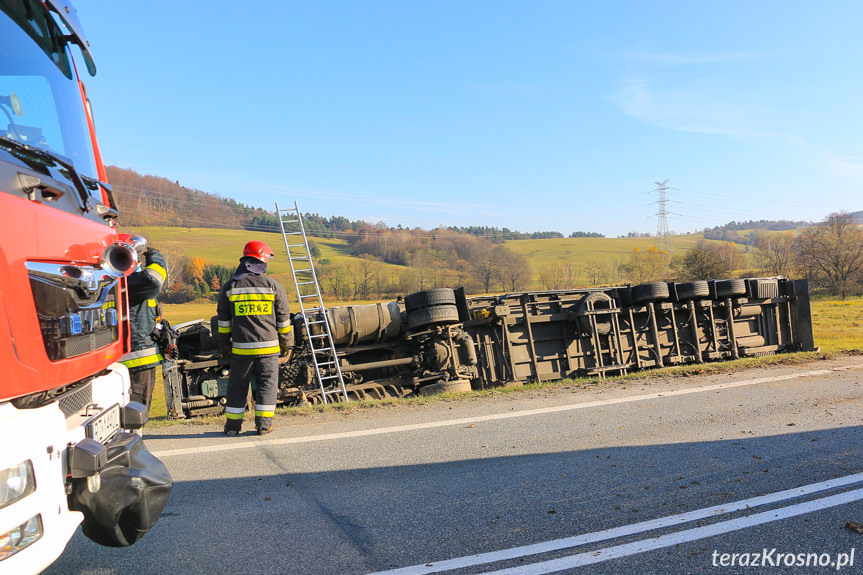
<point x="484" y="266"/>
<point x="175" y="263"/>
<point x="513" y="270"/>
<point x="362" y="271"/>
<point x="776" y="252"/>
<point x="334" y="276"/>
<point x="596" y="273"/>
<point x="835" y="250"/>
<point x="558" y="274"/>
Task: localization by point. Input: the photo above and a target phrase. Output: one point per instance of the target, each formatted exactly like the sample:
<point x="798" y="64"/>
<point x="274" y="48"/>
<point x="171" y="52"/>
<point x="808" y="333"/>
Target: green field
<point x="584" y="250"/>
<point x="224" y="247"/>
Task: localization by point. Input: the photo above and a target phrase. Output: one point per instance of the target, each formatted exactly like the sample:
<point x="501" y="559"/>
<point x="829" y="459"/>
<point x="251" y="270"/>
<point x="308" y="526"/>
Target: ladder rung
<point x="296" y="245"/>
<point x="298" y="258"/>
<point x="305" y="283"/>
<point x="312" y="295"/>
<point x="302" y="271"/>
<point x="316" y="322"/>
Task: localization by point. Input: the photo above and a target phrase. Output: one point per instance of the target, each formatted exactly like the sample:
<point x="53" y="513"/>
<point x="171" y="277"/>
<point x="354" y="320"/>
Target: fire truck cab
<point x="70" y="452"/>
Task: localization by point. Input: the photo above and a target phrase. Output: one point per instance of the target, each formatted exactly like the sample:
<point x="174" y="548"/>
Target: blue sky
<point x="540" y="115"/>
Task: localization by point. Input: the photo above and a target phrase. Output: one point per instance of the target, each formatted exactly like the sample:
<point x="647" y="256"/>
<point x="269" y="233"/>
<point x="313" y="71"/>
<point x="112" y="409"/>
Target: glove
<point x="172" y="351"/>
<point x="285" y="343"/>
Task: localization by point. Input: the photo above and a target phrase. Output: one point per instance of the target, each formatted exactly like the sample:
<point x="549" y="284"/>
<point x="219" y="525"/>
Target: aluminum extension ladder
<point x="314" y="314"/>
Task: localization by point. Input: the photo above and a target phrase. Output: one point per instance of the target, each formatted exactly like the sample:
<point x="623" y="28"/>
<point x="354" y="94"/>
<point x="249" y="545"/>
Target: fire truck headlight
<point x="16" y="482"/>
<point x="20" y="537"/>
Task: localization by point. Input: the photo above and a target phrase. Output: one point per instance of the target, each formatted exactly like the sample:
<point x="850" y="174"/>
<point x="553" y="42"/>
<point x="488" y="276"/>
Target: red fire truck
<point x="71" y="455"/>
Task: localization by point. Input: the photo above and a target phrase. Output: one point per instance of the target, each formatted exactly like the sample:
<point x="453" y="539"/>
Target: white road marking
<point x="249" y="444"/>
<point x="642" y="527"/>
<point x="679" y="537"/>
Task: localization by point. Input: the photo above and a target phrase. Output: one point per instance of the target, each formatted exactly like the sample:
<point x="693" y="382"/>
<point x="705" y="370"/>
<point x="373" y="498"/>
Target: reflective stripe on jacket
<point x="142" y="358"/>
<point x="252" y="313"/>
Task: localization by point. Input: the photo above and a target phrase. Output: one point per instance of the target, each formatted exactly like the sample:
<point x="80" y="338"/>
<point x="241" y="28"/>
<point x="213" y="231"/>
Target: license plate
<point x="103" y="426"/>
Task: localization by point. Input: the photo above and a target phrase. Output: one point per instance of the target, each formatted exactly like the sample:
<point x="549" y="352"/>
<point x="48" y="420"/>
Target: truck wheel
<point x="649" y="292"/>
<point x="431" y="315"/>
<point x="427" y="298"/>
<point x="730" y="288"/>
<point x="692" y="290"/>
<point x="458" y="386"/>
<point x="595" y="300"/>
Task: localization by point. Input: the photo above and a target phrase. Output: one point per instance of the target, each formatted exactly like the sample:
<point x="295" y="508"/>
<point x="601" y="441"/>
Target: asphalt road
<point x="706" y="474"/>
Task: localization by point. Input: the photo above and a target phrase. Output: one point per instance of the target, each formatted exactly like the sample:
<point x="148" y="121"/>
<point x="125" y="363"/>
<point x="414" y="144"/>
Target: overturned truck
<point x="439" y="340"/>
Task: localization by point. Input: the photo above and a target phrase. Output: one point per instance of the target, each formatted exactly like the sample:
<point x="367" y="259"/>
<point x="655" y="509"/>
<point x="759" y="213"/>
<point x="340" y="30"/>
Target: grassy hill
<point x="224" y="247"/>
<point x="584" y="250"/>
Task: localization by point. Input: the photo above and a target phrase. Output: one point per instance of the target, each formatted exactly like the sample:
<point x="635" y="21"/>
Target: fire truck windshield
<point x="40" y="100"/>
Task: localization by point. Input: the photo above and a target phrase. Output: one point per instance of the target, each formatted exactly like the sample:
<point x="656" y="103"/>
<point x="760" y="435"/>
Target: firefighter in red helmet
<point x="255" y="329"/>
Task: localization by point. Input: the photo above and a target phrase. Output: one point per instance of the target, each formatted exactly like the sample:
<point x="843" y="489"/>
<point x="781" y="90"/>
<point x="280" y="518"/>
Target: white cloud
<point x="695" y="107"/>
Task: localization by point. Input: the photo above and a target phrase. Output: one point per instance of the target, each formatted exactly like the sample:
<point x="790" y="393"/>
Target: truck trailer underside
<point x="439" y="340"/>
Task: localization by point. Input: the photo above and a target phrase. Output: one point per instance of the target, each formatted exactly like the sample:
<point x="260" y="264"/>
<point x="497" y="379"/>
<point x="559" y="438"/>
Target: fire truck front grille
<point x="77" y="308"/>
<point x="76" y="400"/>
<point x="81" y="344"/>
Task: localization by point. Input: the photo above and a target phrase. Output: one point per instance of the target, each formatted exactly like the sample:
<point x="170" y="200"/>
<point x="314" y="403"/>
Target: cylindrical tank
<point x="367" y="323"/>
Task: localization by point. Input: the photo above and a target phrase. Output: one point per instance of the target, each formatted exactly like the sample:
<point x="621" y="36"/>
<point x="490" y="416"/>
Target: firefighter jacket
<point x="143" y="286"/>
<point x="253" y="312"/>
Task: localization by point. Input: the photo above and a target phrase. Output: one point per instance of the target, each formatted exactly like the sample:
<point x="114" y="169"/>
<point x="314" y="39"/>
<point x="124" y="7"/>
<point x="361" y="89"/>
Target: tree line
<point x="152" y="200"/>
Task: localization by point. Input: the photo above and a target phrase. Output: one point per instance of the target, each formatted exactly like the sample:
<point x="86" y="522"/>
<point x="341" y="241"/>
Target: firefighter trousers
<point x="265" y="370"/>
<point x="142" y="382"/>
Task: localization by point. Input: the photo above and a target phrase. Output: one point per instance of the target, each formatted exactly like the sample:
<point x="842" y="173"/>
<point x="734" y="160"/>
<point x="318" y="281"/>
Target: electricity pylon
<point x="663" y="234"/>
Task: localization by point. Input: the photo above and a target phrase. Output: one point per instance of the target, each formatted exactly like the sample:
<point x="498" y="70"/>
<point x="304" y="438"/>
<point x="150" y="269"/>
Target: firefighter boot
<point x="233" y="427"/>
<point x="263" y="425"/>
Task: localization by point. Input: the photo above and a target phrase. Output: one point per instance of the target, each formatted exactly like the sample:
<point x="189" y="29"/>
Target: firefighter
<point x="143" y="285"/>
<point x="255" y="329"/>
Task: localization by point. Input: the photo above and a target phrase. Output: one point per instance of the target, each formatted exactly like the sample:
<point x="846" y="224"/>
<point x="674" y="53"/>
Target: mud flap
<point x="135" y="487"/>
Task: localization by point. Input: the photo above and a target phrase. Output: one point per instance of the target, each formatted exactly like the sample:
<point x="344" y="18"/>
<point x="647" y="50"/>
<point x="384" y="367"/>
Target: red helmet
<point x="258" y="250"/>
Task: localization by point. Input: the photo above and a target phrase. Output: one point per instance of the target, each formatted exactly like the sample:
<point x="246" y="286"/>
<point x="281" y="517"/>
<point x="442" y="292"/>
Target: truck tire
<point x="428" y="298"/>
<point x="432" y="315"/>
<point x="458" y="386"/>
<point x="730" y="288"/>
<point x="595" y="300"/>
<point x="652" y="291"/>
<point x="692" y="290"/>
